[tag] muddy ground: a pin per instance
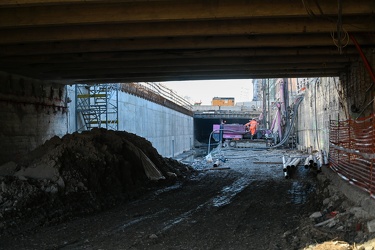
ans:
(248, 204)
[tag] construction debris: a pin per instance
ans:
(79, 174)
(339, 219)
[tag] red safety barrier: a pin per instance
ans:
(352, 151)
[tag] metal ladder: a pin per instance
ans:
(96, 106)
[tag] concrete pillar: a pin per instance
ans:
(31, 112)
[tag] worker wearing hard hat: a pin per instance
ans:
(252, 125)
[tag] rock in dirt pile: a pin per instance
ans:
(80, 174)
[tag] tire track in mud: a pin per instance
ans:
(229, 192)
(223, 198)
(161, 223)
(139, 220)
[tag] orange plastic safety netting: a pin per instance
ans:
(352, 151)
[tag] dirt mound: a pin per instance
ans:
(80, 174)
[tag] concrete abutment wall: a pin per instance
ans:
(349, 96)
(31, 112)
(331, 98)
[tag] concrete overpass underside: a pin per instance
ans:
(129, 41)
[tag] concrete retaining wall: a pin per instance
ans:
(322, 102)
(337, 99)
(169, 131)
(326, 98)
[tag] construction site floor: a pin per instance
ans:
(244, 203)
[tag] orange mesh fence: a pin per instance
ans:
(352, 151)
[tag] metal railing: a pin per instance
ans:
(352, 151)
(168, 94)
(158, 93)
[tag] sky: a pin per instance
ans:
(204, 91)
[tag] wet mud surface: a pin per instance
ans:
(248, 206)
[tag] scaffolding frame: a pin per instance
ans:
(96, 106)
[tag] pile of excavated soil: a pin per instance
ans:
(80, 174)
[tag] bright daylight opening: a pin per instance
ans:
(202, 92)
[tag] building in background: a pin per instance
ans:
(222, 101)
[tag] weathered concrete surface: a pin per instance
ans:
(31, 112)
(169, 131)
(329, 98)
(321, 103)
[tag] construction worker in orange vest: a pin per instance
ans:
(252, 125)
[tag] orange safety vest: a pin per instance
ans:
(253, 126)
(253, 123)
